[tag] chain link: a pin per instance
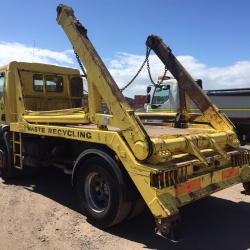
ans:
(150, 76)
(81, 66)
(139, 71)
(149, 72)
(146, 60)
(164, 75)
(80, 63)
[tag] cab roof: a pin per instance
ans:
(39, 67)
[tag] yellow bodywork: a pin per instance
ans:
(156, 162)
(162, 202)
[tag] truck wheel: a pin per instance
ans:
(138, 207)
(6, 170)
(100, 193)
(246, 186)
(3, 166)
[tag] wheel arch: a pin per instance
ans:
(95, 152)
(129, 190)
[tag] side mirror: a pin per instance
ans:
(148, 89)
(199, 82)
(148, 98)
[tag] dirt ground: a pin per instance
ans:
(41, 213)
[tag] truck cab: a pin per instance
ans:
(37, 87)
(234, 103)
(163, 97)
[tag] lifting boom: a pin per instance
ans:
(101, 85)
(188, 84)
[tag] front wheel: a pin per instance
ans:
(7, 170)
(100, 193)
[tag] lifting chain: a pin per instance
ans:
(139, 71)
(81, 66)
(80, 63)
(150, 76)
(149, 72)
(146, 60)
(164, 75)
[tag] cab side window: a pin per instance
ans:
(38, 82)
(2, 78)
(54, 83)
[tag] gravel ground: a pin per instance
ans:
(40, 212)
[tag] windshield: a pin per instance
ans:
(161, 94)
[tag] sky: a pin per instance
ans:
(211, 38)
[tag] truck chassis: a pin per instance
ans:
(118, 164)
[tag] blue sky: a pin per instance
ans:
(214, 33)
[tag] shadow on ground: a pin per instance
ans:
(211, 223)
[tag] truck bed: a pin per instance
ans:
(158, 131)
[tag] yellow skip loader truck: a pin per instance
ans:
(119, 160)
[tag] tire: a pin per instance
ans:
(246, 186)
(6, 171)
(3, 167)
(138, 207)
(100, 193)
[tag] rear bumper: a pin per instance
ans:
(208, 184)
(192, 190)
(201, 186)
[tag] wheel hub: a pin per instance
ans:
(97, 192)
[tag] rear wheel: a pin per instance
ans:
(100, 193)
(137, 208)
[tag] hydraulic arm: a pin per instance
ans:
(188, 84)
(101, 86)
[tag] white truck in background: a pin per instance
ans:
(235, 103)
